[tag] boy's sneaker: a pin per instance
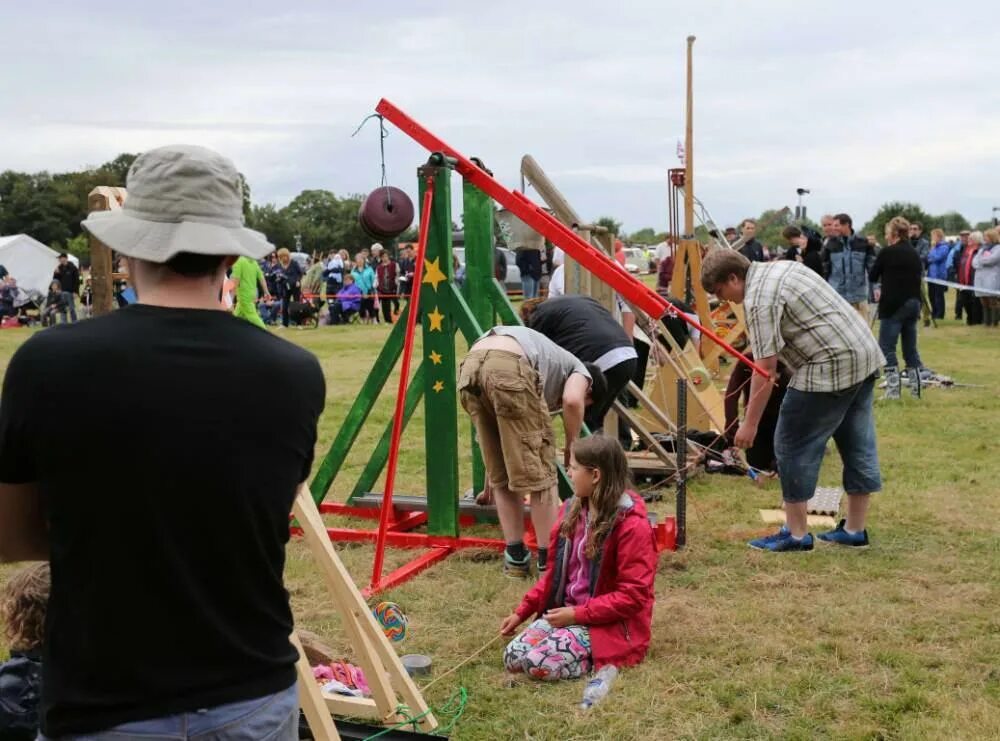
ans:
(892, 383)
(516, 569)
(761, 543)
(782, 541)
(840, 536)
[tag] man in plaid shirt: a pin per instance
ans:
(794, 316)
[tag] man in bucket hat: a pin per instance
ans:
(166, 521)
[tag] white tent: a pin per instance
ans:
(28, 260)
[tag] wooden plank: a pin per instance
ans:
(375, 654)
(362, 407)
(777, 517)
(311, 698)
(101, 284)
(440, 396)
(380, 456)
(355, 707)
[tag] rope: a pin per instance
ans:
(383, 133)
(465, 661)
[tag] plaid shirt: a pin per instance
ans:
(793, 313)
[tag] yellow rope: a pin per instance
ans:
(464, 661)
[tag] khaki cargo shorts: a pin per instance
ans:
(503, 395)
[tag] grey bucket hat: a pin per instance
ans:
(181, 198)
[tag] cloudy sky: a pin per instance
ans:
(862, 102)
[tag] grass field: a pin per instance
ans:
(899, 641)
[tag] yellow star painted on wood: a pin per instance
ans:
(432, 273)
(438, 387)
(436, 317)
(435, 358)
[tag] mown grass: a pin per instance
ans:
(900, 641)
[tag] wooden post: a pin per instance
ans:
(101, 286)
(440, 396)
(479, 276)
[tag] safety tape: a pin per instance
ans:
(961, 287)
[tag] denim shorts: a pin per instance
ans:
(270, 718)
(808, 419)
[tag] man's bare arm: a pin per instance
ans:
(574, 401)
(23, 531)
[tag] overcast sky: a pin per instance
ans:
(862, 102)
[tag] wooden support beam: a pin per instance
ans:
(384, 671)
(437, 310)
(362, 407)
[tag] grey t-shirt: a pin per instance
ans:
(554, 365)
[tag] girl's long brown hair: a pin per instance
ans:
(22, 607)
(606, 455)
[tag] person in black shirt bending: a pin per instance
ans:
(168, 615)
(899, 269)
(580, 325)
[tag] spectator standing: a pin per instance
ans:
(387, 275)
(364, 279)
(288, 279)
(806, 247)
(966, 275)
(247, 277)
(920, 242)
(68, 276)
(794, 316)
(333, 274)
(529, 262)
(956, 251)
(221, 665)
(407, 269)
(937, 268)
(752, 250)
(849, 259)
(899, 269)
(987, 277)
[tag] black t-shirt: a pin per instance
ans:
(899, 269)
(168, 505)
(579, 325)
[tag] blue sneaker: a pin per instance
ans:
(782, 541)
(840, 536)
(761, 543)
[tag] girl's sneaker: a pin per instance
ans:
(840, 536)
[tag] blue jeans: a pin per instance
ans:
(902, 323)
(530, 286)
(71, 302)
(808, 419)
(271, 718)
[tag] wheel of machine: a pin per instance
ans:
(386, 213)
(700, 377)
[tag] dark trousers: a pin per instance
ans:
(293, 295)
(617, 377)
(71, 304)
(639, 379)
(339, 315)
(973, 307)
(936, 295)
(368, 308)
(389, 307)
(902, 324)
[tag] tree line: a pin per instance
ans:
(50, 207)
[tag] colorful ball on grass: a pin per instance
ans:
(390, 616)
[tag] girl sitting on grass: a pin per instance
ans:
(22, 610)
(594, 605)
